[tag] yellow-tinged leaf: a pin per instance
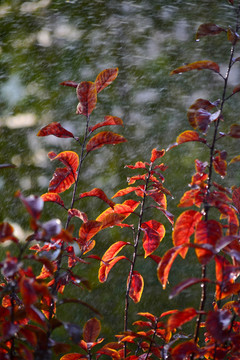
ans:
(136, 287)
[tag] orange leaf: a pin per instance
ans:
(153, 234)
(235, 159)
(89, 229)
(220, 165)
(62, 180)
(104, 138)
(207, 232)
(156, 154)
(125, 191)
(69, 158)
(109, 120)
(87, 96)
(208, 29)
(189, 135)
(198, 65)
(77, 213)
(138, 165)
(91, 330)
(53, 197)
(113, 250)
(166, 263)
(98, 193)
(74, 356)
(180, 318)
(105, 268)
(184, 228)
(136, 287)
(55, 129)
(105, 78)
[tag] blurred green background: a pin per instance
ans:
(43, 43)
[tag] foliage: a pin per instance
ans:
(30, 299)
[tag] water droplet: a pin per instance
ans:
(197, 40)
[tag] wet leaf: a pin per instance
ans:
(105, 78)
(207, 232)
(189, 135)
(136, 287)
(113, 250)
(74, 356)
(149, 316)
(105, 268)
(104, 138)
(236, 89)
(154, 232)
(108, 120)
(62, 180)
(69, 83)
(87, 96)
(156, 154)
(208, 29)
(198, 65)
(181, 317)
(184, 228)
(52, 197)
(69, 158)
(235, 130)
(98, 193)
(55, 129)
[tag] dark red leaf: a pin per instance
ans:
(6, 232)
(181, 317)
(53, 197)
(98, 193)
(198, 104)
(108, 120)
(69, 83)
(69, 158)
(104, 138)
(220, 165)
(154, 232)
(218, 324)
(185, 284)
(236, 198)
(198, 65)
(235, 130)
(4, 166)
(136, 287)
(184, 228)
(202, 120)
(87, 96)
(184, 350)
(55, 129)
(105, 78)
(208, 29)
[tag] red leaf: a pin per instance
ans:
(198, 104)
(6, 232)
(220, 165)
(104, 138)
(69, 158)
(202, 120)
(74, 356)
(113, 250)
(208, 29)
(33, 204)
(87, 96)
(198, 65)
(166, 263)
(200, 166)
(156, 154)
(218, 324)
(91, 330)
(138, 165)
(235, 130)
(184, 228)
(36, 315)
(27, 291)
(236, 198)
(159, 197)
(236, 89)
(80, 214)
(109, 120)
(69, 83)
(184, 350)
(136, 287)
(55, 129)
(53, 197)
(189, 135)
(89, 229)
(148, 316)
(185, 284)
(180, 318)
(105, 78)
(98, 193)
(62, 180)
(125, 191)
(192, 197)
(154, 232)
(105, 268)
(207, 232)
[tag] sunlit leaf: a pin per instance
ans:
(184, 350)
(138, 165)
(104, 138)
(91, 330)
(113, 250)
(186, 284)
(156, 154)
(198, 65)
(181, 317)
(87, 96)
(77, 213)
(98, 193)
(74, 356)
(189, 135)
(184, 228)
(220, 165)
(192, 197)
(69, 83)
(207, 232)
(218, 324)
(148, 316)
(208, 29)
(6, 232)
(165, 264)
(55, 129)
(235, 130)
(159, 197)
(125, 191)
(198, 104)
(108, 120)
(62, 180)
(136, 287)
(105, 78)
(89, 229)
(105, 268)
(236, 198)
(52, 197)
(154, 232)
